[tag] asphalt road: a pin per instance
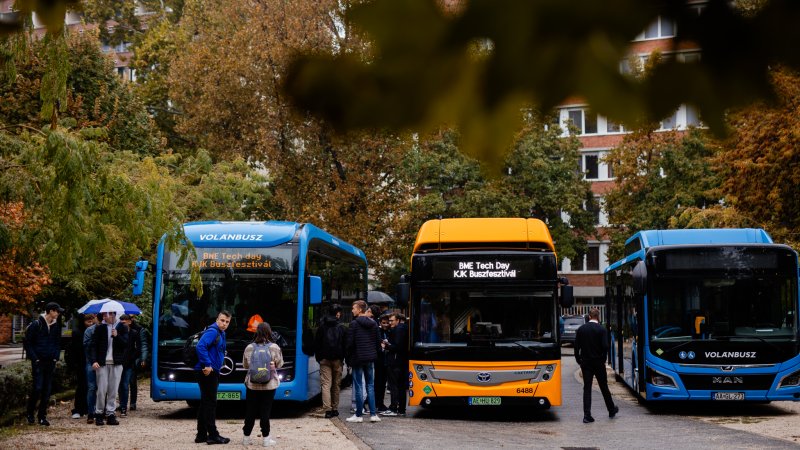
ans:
(636, 426)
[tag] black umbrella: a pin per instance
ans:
(378, 298)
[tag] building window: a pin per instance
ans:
(692, 117)
(591, 166)
(594, 209)
(590, 262)
(584, 120)
(613, 127)
(670, 122)
(662, 27)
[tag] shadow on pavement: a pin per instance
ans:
(236, 410)
(485, 414)
(716, 409)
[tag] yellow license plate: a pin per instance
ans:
(229, 395)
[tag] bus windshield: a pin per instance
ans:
(723, 307)
(246, 282)
(488, 317)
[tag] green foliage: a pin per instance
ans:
(54, 81)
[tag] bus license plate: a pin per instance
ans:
(728, 395)
(229, 395)
(481, 401)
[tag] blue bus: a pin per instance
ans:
(284, 273)
(705, 315)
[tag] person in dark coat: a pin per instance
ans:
(76, 363)
(362, 347)
(107, 355)
(127, 383)
(43, 349)
(397, 360)
(382, 364)
(330, 349)
(591, 348)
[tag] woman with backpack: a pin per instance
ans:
(261, 358)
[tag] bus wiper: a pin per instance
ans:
(680, 345)
(535, 352)
(728, 338)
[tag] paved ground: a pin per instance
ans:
(10, 354)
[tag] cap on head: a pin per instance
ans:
(53, 306)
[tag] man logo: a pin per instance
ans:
(227, 366)
(484, 377)
(727, 380)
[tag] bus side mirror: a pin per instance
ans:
(639, 274)
(138, 279)
(314, 290)
(567, 296)
(402, 294)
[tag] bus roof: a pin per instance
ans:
(637, 245)
(472, 233)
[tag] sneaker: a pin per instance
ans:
(335, 413)
(76, 416)
(328, 414)
(99, 421)
(43, 422)
(389, 413)
(374, 418)
(30, 418)
(613, 412)
(354, 419)
(246, 440)
(268, 441)
(112, 420)
(123, 412)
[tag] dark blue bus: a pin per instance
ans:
(284, 273)
(705, 315)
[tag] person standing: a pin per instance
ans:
(43, 348)
(363, 346)
(76, 362)
(260, 395)
(107, 354)
(381, 365)
(141, 363)
(210, 356)
(132, 354)
(330, 347)
(591, 348)
(91, 375)
(397, 355)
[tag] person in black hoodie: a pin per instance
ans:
(330, 346)
(43, 348)
(107, 354)
(397, 358)
(362, 348)
(76, 363)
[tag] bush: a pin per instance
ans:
(15, 384)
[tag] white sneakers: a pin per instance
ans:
(76, 416)
(246, 440)
(268, 441)
(356, 419)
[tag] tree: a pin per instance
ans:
(22, 277)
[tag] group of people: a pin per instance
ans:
(375, 348)
(104, 355)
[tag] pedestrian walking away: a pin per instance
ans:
(107, 354)
(362, 349)
(210, 355)
(261, 358)
(591, 349)
(330, 350)
(43, 348)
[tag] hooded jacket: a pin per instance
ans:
(99, 347)
(362, 341)
(43, 342)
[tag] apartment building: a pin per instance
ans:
(598, 135)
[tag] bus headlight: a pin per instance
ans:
(425, 373)
(791, 380)
(657, 378)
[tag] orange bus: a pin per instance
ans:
(483, 298)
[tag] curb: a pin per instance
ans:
(361, 445)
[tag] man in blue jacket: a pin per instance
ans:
(43, 347)
(210, 355)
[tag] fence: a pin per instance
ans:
(582, 310)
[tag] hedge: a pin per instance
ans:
(15, 384)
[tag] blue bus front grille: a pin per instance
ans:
(728, 382)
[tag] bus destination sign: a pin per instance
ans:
(233, 260)
(483, 269)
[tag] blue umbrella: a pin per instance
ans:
(107, 304)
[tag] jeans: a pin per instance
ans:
(107, 385)
(124, 385)
(364, 372)
(207, 412)
(91, 388)
(330, 374)
(259, 403)
(42, 374)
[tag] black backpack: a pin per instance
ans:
(333, 342)
(190, 348)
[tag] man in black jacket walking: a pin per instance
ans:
(330, 347)
(43, 348)
(591, 348)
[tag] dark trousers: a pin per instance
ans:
(42, 374)
(259, 403)
(381, 373)
(127, 385)
(595, 369)
(81, 392)
(398, 387)
(207, 412)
